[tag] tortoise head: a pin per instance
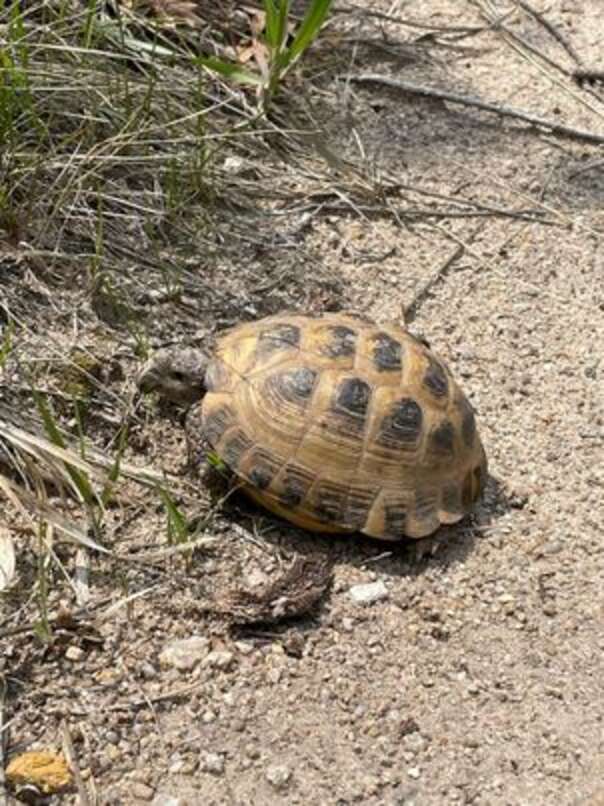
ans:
(177, 374)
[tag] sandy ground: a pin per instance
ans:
(478, 678)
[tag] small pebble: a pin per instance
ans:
(413, 772)
(553, 547)
(112, 751)
(185, 653)
(141, 791)
(74, 653)
(148, 671)
(278, 775)
(212, 763)
(368, 593)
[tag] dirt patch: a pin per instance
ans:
(477, 677)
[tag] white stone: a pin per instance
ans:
(369, 593)
(213, 763)
(185, 653)
(278, 775)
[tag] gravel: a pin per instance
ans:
(475, 675)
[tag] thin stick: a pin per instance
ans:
(423, 26)
(465, 100)
(69, 751)
(149, 701)
(551, 29)
(425, 291)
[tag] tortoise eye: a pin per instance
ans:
(179, 376)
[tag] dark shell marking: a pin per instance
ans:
(402, 426)
(442, 438)
(352, 398)
(395, 516)
(279, 336)
(387, 353)
(296, 482)
(293, 386)
(328, 499)
(342, 342)
(424, 505)
(216, 423)
(263, 469)
(235, 447)
(435, 379)
(359, 503)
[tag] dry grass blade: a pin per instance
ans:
(7, 559)
(70, 755)
(38, 508)
(56, 457)
(125, 602)
(543, 63)
(47, 453)
(81, 577)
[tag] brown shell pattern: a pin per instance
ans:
(340, 425)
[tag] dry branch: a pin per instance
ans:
(465, 100)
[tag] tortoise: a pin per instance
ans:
(332, 422)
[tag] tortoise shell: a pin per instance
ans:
(340, 426)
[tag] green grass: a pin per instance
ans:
(113, 134)
(285, 42)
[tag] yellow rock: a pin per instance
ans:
(44, 769)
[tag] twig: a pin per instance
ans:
(378, 558)
(424, 292)
(423, 26)
(538, 15)
(464, 100)
(70, 754)
(151, 701)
